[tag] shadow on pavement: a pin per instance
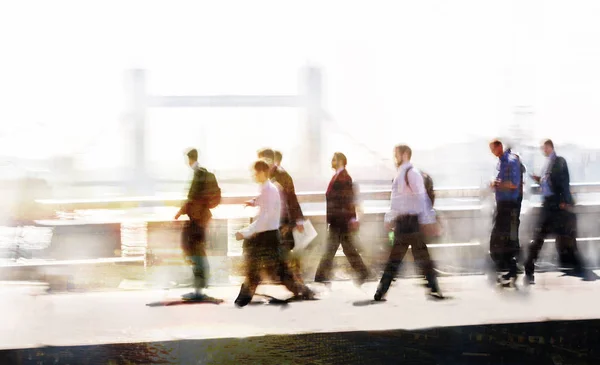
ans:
(545, 343)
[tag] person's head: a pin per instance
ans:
(496, 148)
(267, 155)
(277, 157)
(547, 147)
(338, 161)
(402, 154)
(192, 156)
(260, 171)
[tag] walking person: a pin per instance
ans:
(262, 242)
(342, 223)
(556, 216)
(412, 219)
(204, 194)
(508, 187)
(291, 212)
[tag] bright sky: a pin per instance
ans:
(422, 72)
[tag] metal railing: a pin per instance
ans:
(303, 197)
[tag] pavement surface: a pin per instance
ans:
(33, 318)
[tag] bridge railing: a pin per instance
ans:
(156, 239)
(303, 197)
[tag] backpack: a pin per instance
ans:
(427, 181)
(523, 171)
(211, 186)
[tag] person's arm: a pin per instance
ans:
(563, 182)
(352, 202)
(346, 199)
(258, 220)
(392, 214)
(194, 191)
(293, 206)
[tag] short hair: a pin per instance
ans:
(278, 156)
(549, 143)
(192, 154)
(341, 157)
(261, 166)
(402, 149)
(495, 142)
(266, 153)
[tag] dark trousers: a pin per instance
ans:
(406, 234)
(504, 240)
(262, 253)
(337, 236)
(563, 224)
(193, 242)
(290, 257)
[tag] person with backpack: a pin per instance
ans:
(412, 218)
(204, 194)
(508, 187)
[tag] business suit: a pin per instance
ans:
(341, 211)
(193, 239)
(553, 218)
(291, 214)
(261, 248)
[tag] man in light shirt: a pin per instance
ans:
(412, 217)
(291, 212)
(262, 242)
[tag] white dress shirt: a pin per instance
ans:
(269, 203)
(410, 200)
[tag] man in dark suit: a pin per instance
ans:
(556, 216)
(278, 158)
(341, 218)
(204, 194)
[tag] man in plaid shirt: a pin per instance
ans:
(504, 240)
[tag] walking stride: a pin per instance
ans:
(412, 219)
(261, 248)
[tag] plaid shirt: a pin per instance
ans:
(509, 170)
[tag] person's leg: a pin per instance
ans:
(497, 242)
(543, 228)
(323, 274)
(513, 245)
(423, 260)
(289, 256)
(354, 258)
(401, 243)
(252, 262)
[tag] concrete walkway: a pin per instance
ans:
(32, 318)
